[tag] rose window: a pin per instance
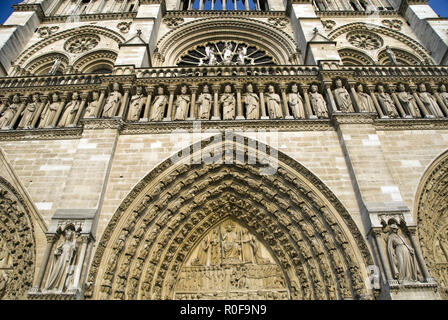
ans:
(365, 41)
(225, 53)
(81, 44)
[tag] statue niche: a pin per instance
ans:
(230, 263)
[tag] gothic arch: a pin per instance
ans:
(66, 34)
(352, 57)
(93, 61)
(178, 41)
(17, 244)
(431, 207)
(372, 28)
(311, 235)
(42, 64)
(403, 58)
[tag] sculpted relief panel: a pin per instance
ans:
(230, 263)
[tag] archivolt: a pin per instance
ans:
(95, 60)
(189, 35)
(16, 229)
(27, 54)
(308, 231)
(351, 57)
(432, 212)
(359, 26)
(43, 63)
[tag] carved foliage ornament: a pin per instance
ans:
(16, 245)
(393, 24)
(279, 22)
(364, 40)
(173, 22)
(80, 44)
(329, 24)
(45, 32)
(124, 26)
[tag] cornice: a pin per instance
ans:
(41, 134)
(411, 124)
(362, 14)
(93, 17)
(224, 14)
(24, 7)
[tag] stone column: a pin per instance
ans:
(169, 115)
(421, 105)
(376, 103)
(201, 4)
(418, 253)
(100, 103)
(308, 109)
(42, 105)
(64, 98)
(354, 96)
(23, 101)
(124, 103)
(146, 113)
(84, 96)
(48, 249)
(398, 104)
(216, 115)
(193, 107)
(239, 103)
(283, 88)
(441, 103)
(246, 5)
(85, 241)
(264, 115)
(330, 98)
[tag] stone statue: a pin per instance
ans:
(443, 94)
(71, 109)
(318, 102)
(365, 101)
(10, 112)
(210, 55)
(158, 106)
(242, 56)
(231, 249)
(215, 249)
(55, 67)
(429, 101)
(136, 105)
(296, 103)
(342, 97)
(202, 255)
(227, 54)
(62, 265)
(93, 106)
(28, 113)
(182, 105)
(205, 101)
(247, 244)
(386, 102)
(228, 102)
(402, 256)
(408, 102)
(252, 102)
(392, 56)
(113, 102)
(46, 118)
(273, 103)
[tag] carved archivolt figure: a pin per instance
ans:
(136, 105)
(407, 101)
(205, 104)
(318, 102)
(365, 101)
(273, 103)
(3, 283)
(402, 256)
(158, 106)
(28, 113)
(386, 102)
(342, 97)
(63, 263)
(252, 102)
(296, 103)
(429, 101)
(10, 112)
(93, 106)
(182, 105)
(228, 102)
(71, 109)
(113, 102)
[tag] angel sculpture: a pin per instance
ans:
(55, 67)
(227, 54)
(210, 56)
(242, 55)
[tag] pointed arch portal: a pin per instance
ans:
(282, 234)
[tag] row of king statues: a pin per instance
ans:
(225, 102)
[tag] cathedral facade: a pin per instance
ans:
(203, 149)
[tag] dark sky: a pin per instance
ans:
(440, 6)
